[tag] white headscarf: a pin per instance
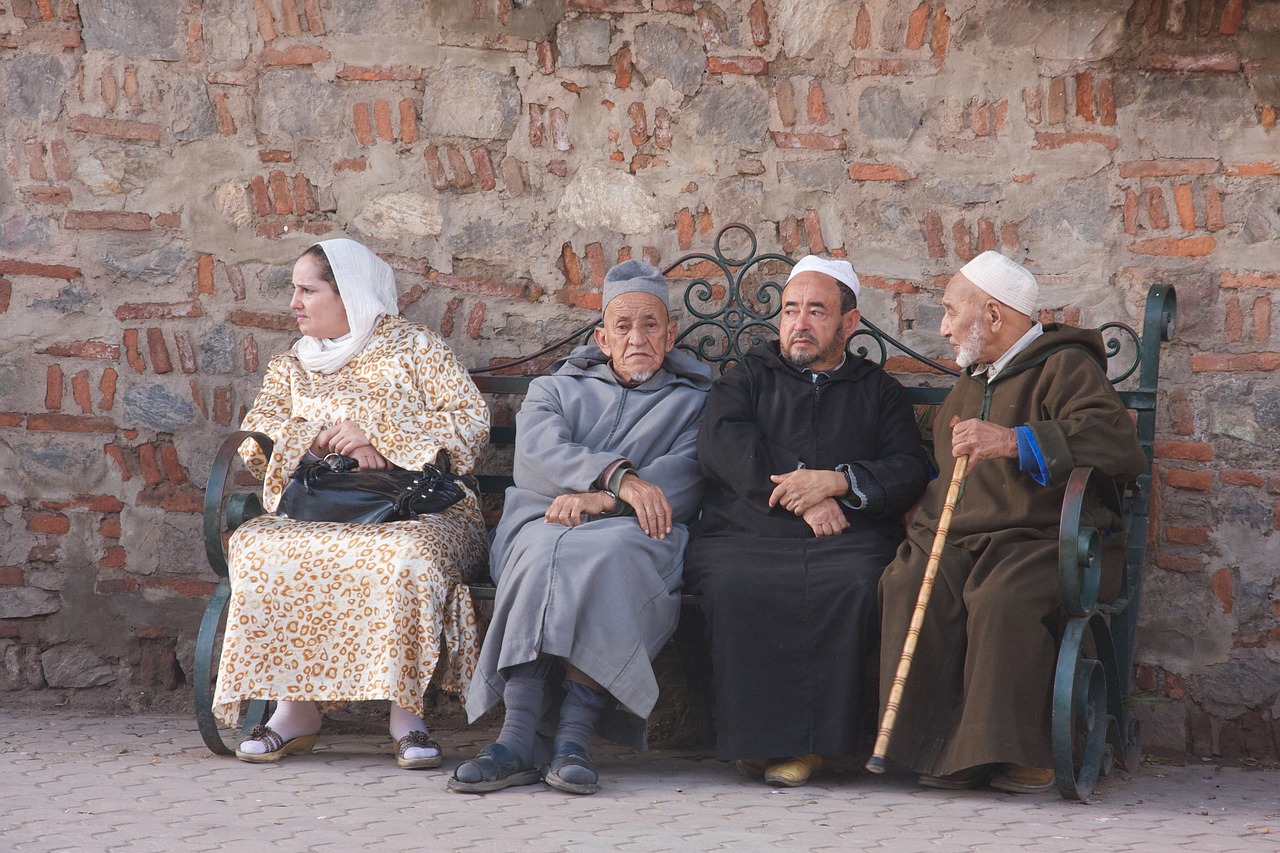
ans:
(368, 291)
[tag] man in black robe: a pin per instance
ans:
(811, 457)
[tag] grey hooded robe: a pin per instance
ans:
(603, 595)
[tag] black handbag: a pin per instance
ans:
(331, 489)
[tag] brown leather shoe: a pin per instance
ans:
(961, 780)
(1017, 779)
(794, 772)
(752, 768)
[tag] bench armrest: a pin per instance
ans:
(1079, 550)
(222, 517)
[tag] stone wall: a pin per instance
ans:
(164, 163)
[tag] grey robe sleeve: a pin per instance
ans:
(547, 460)
(676, 472)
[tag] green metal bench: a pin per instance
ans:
(730, 304)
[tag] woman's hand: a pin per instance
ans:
(344, 438)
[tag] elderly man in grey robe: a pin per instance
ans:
(588, 555)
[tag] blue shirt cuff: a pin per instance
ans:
(1030, 459)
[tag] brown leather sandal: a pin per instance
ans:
(277, 747)
(420, 740)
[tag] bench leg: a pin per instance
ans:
(1086, 702)
(695, 660)
(208, 647)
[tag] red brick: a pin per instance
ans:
(364, 126)
(475, 320)
(158, 310)
(11, 576)
(408, 121)
(54, 523)
(159, 351)
(149, 465)
(303, 200)
(1130, 213)
(963, 240)
(894, 285)
(173, 470)
(1223, 363)
(595, 262)
(941, 33)
(107, 389)
(789, 234)
(250, 354)
(680, 7)
(510, 288)
(622, 69)
(1228, 62)
(315, 23)
(1262, 319)
(1049, 141)
(15, 267)
(1251, 170)
(458, 165)
(226, 122)
(1057, 103)
(298, 54)
(758, 19)
(817, 104)
(261, 197)
(351, 164)
(785, 97)
(1106, 102)
(222, 405)
(46, 195)
(639, 124)
(1185, 247)
(819, 141)
(204, 274)
(1221, 585)
(1084, 96)
(379, 72)
(11, 419)
(813, 233)
(132, 354)
(933, 230)
(484, 167)
(282, 200)
(256, 320)
(536, 126)
(80, 391)
(117, 456)
(1157, 211)
(862, 29)
(53, 388)
(1234, 477)
(559, 123)
(879, 172)
(61, 161)
(1187, 535)
(6, 293)
(266, 23)
(1260, 279)
(684, 228)
(546, 57)
(435, 169)
(1196, 451)
(116, 128)
(1267, 117)
(113, 557)
(1213, 210)
(1232, 14)
(604, 6)
(662, 128)
(1175, 563)
(917, 22)
(750, 65)
(1199, 481)
(559, 168)
(571, 268)
(1185, 206)
(1168, 168)
(118, 220)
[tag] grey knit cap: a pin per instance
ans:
(634, 277)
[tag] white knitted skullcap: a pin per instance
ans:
(841, 271)
(1005, 281)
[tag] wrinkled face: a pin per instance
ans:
(964, 323)
(812, 332)
(316, 302)
(636, 335)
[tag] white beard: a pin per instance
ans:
(642, 376)
(971, 345)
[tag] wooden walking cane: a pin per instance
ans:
(876, 763)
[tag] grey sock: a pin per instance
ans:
(522, 697)
(578, 715)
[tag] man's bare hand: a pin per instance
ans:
(570, 510)
(801, 490)
(979, 439)
(650, 503)
(826, 518)
(342, 438)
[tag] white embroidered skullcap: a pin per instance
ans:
(1005, 281)
(841, 271)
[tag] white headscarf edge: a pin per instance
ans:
(368, 290)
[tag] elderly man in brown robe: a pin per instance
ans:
(1033, 403)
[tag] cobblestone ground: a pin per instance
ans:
(147, 783)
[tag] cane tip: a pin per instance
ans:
(875, 764)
